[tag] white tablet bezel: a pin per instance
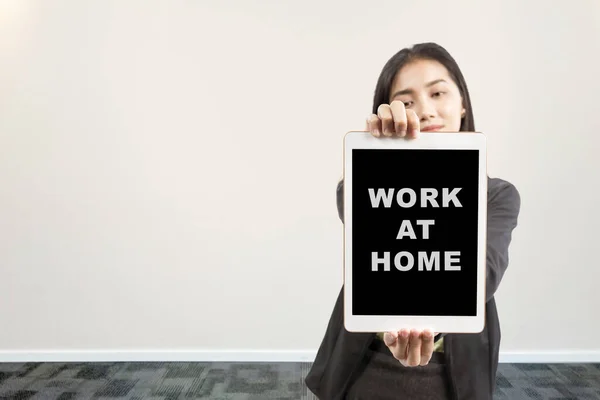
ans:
(425, 140)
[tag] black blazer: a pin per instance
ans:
(471, 359)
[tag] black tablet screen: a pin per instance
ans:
(414, 232)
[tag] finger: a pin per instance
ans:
(413, 124)
(426, 347)
(414, 349)
(374, 125)
(387, 122)
(390, 338)
(400, 350)
(399, 115)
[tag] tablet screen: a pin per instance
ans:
(414, 232)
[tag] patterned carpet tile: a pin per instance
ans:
(163, 381)
(251, 381)
(548, 381)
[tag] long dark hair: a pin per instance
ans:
(427, 51)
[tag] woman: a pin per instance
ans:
(421, 89)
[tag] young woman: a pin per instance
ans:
(421, 89)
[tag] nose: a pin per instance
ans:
(425, 110)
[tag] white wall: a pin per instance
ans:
(168, 169)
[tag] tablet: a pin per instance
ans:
(415, 232)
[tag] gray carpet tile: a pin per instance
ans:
(251, 381)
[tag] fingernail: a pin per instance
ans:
(404, 333)
(376, 132)
(402, 133)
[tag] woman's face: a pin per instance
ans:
(426, 87)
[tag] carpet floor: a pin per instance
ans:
(251, 381)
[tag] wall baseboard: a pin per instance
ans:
(550, 357)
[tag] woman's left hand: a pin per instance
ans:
(412, 348)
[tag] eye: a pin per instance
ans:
(407, 104)
(438, 94)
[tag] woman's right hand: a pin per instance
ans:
(412, 348)
(394, 120)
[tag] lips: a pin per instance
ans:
(432, 128)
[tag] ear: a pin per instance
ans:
(463, 113)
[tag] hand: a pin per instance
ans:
(394, 120)
(412, 348)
